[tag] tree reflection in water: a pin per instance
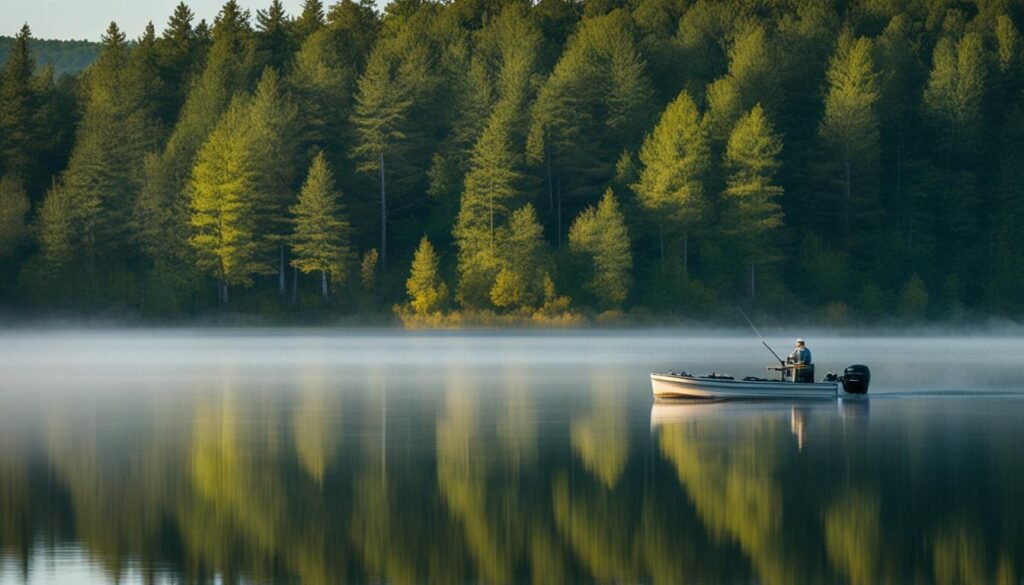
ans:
(494, 475)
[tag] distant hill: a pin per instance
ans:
(66, 56)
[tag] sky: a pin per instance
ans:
(87, 19)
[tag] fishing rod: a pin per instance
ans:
(763, 342)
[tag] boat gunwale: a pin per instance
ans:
(692, 387)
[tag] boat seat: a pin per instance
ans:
(804, 375)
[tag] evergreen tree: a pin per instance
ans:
(601, 233)
(593, 106)
(310, 21)
(490, 187)
(954, 99)
(753, 215)
(224, 216)
(321, 236)
(380, 119)
(955, 93)
(752, 78)
(675, 158)
(273, 120)
(178, 59)
(523, 257)
(162, 211)
(850, 129)
(273, 37)
(427, 292)
(14, 208)
(17, 102)
(323, 82)
(101, 181)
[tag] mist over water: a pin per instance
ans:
(318, 456)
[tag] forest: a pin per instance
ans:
(66, 57)
(506, 161)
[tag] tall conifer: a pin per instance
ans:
(675, 158)
(321, 234)
(752, 213)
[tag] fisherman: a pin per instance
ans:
(800, 355)
(801, 358)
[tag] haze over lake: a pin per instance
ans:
(317, 456)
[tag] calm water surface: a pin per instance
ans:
(321, 457)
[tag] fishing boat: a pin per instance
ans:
(796, 381)
(681, 385)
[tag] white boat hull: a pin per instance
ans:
(674, 386)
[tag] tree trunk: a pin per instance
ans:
(559, 181)
(551, 190)
(846, 213)
(282, 286)
(383, 217)
(295, 285)
(323, 283)
(686, 255)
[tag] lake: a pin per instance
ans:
(315, 456)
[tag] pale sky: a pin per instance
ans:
(87, 19)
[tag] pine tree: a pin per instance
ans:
(753, 78)
(955, 93)
(850, 130)
(427, 292)
(601, 233)
(753, 215)
(178, 59)
(954, 100)
(323, 82)
(321, 236)
(310, 21)
(161, 215)
(380, 119)
(273, 120)
(523, 257)
(675, 158)
(102, 178)
(593, 106)
(223, 215)
(273, 37)
(14, 207)
(17, 102)
(490, 187)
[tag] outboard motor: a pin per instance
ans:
(856, 379)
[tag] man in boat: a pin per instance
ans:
(800, 360)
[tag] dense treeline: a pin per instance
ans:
(856, 159)
(68, 57)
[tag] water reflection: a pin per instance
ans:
(500, 475)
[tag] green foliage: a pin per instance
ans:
(675, 159)
(850, 128)
(752, 79)
(65, 57)
(224, 216)
(14, 208)
(596, 102)
(913, 298)
(601, 234)
(523, 259)
(427, 292)
(321, 237)
(752, 213)
(97, 189)
(900, 125)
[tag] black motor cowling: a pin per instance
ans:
(856, 379)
